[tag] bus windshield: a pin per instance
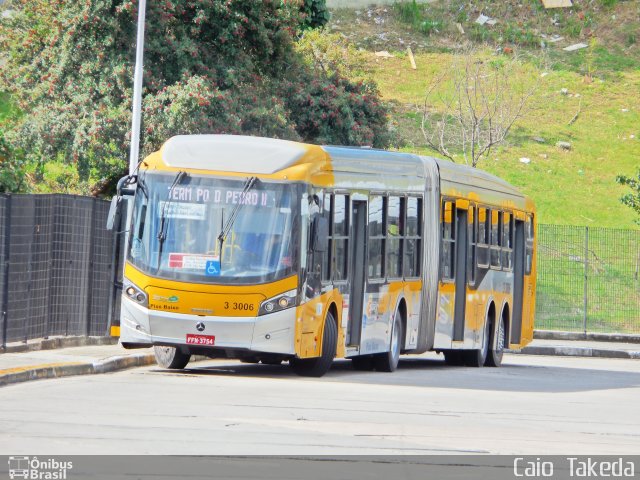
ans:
(178, 220)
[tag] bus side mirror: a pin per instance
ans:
(320, 234)
(113, 211)
(124, 191)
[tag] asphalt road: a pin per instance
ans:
(532, 405)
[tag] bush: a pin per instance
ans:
(12, 168)
(210, 67)
(632, 199)
(315, 14)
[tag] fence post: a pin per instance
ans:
(5, 273)
(586, 275)
(91, 265)
(53, 212)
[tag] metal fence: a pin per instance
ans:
(57, 266)
(60, 272)
(588, 279)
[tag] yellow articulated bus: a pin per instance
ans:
(269, 250)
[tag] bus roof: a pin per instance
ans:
(460, 176)
(267, 156)
(236, 153)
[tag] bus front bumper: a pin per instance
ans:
(272, 333)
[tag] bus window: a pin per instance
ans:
(413, 232)
(507, 241)
(376, 237)
(395, 234)
(484, 222)
(496, 220)
(340, 237)
(448, 241)
(529, 248)
(471, 262)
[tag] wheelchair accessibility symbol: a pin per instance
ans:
(212, 268)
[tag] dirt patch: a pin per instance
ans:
(449, 25)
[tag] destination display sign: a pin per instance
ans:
(223, 196)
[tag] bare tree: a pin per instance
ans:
(470, 108)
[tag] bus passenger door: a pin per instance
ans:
(358, 265)
(518, 283)
(460, 273)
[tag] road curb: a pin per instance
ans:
(111, 364)
(563, 351)
(57, 343)
(579, 336)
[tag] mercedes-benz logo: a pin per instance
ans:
(200, 327)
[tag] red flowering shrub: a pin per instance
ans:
(210, 67)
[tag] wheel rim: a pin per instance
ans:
(395, 339)
(485, 342)
(500, 342)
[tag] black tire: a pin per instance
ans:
(496, 350)
(388, 361)
(171, 357)
(477, 358)
(317, 367)
(250, 360)
(363, 363)
(271, 361)
(454, 358)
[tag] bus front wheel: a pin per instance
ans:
(171, 357)
(317, 367)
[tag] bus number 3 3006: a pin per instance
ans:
(238, 306)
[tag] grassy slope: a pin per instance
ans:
(575, 187)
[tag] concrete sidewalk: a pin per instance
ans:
(22, 366)
(582, 348)
(63, 362)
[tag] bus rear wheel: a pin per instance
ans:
(388, 362)
(317, 367)
(477, 358)
(170, 357)
(494, 359)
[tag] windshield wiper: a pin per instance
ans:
(162, 234)
(248, 185)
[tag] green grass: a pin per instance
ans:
(417, 15)
(523, 25)
(575, 187)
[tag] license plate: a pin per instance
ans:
(208, 340)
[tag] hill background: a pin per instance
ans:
(602, 82)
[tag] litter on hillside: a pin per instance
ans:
(482, 19)
(575, 46)
(552, 38)
(384, 54)
(525, 160)
(411, 59)
(557, 3)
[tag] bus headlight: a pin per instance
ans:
(134, 293)
(280, 302)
